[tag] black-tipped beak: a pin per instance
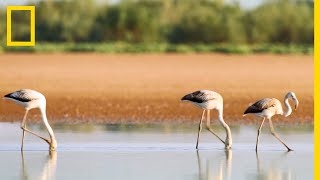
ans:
(296, 104)
(186, 97)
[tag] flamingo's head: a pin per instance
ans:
(293, 97)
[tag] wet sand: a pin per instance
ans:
(147, 88)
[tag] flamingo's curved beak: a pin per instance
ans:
(186, 97)
(296, 103)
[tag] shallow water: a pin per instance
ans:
(155, 152)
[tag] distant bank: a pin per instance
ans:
(122, 47)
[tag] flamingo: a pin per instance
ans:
(30, 99)
(208, 100)
(268, 107)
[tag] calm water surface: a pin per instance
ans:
(155, 152)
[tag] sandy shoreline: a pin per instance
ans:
(133, 88)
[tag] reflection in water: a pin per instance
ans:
(151, 153)
(222, 171)
(49, 167)
(24, 174)
(219, 167)
(274, 171)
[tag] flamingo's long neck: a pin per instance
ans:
(228, 141)
(50, 131)
(288, 107)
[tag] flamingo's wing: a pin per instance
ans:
(23, 95)
(261, 105)
(199, 96)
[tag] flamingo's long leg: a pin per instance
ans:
(273, 132)
(259, 131)
(23, 126)
(200, 128)
(209, 128)
(37, 135)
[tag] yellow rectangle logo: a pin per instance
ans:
(32, 26)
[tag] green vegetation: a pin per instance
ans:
(277, 26)
(121, 47)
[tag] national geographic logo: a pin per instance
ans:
(32, 26)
